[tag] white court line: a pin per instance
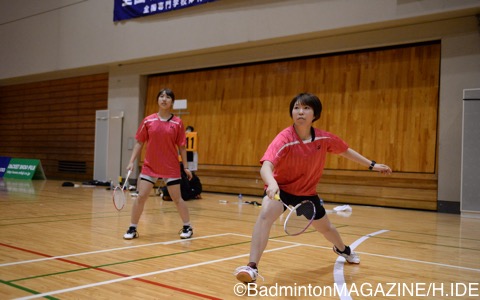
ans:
(340, 262)
(373, 254)
(109, 250)
(293, 244)
(425, 262)
(378, 255)
(145, 274)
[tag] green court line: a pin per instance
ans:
(138, 260)
(11, 282)
(108, 215)
(194, 211)
(112, 213)
(424, 243)
(26, 289)
(411, 233)
(172, 210)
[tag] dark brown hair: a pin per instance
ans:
(168, 92)
(309, 100)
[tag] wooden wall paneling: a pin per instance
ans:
(53, 121)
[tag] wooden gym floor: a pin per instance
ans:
(66, 243)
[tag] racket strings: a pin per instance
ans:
(300, 218)
(119, 198)
(306, 209)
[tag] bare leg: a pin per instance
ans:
(329, 231)
(271, 210)
(144, 189)
(182, 208)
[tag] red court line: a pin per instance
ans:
(116, 273)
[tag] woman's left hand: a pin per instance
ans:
(384, 169)
(189, 174)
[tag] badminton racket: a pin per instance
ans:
(299, 217)
(119, 199)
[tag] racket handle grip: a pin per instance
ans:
(276, 197)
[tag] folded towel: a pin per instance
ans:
(342, 208)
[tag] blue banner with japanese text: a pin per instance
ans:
(4, 161)
(128, 9)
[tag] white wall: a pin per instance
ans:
(460, 70)
(127, 92)
(74, 37)
(71, 34)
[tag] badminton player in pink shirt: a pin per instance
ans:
(165, 137)
(292, 167)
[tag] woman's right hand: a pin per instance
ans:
(272, 190)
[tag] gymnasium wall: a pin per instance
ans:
(459, 68)
(53, 121)
(60, 39)
(383, 102)
(51, 37)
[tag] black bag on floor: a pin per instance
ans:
(190, 189)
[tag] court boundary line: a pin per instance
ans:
(100, 251)
(338, 274)
(51, 293)
(292, 245)
(380, 255)
(213, 236)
